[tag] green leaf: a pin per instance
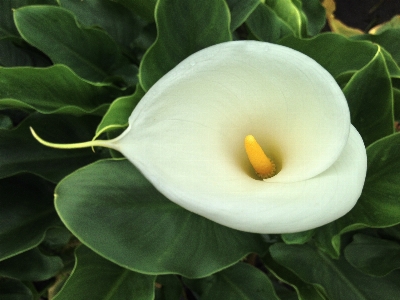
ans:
(168, 287)
(120, 23)
(240, 11)
(14, 53)
(336, 277)
(53, 90)
(11, 289)
(372, 255)
(115, 211)
(20, 152)
(7, 26)
(27, 211)
(316, 16)
(90, 53)
(184, 27)
(334, 52)
(388, 39)
(97, 278)
(298, 237)
(303, 290)
(144, 8)
(119, 111)
(266, 26)
(31, 265)
(369, 95)
(378, 206)
(241, 281)
(289, 11)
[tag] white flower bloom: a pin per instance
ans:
(187, 137)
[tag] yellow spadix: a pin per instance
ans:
(262, 164)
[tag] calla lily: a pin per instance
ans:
(187, 137)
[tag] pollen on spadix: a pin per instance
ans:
(264, 167)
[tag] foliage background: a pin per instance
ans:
(83, 225)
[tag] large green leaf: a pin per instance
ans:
(120, 23)
(11, 289)
(90, 53)
(53, 90)
(145, 8)
(336, 53)
(31, 265)
(379, 204)
(372, 255)
(290, 12)
(115, 211)
(240, 10)
(316, 16)
(26, 213)
(7, 26)
(239, 282)
(20, 152)
(369, 95)
(184, 27)
(266, 26)
(14, 53)
(97, 278)
(119, 111)
(337, 278)
(304, 291)
(388, 39)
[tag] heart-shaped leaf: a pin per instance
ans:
(115, 211)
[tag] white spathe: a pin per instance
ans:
(187, 133)
(187, 137)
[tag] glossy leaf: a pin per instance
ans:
(372, 255)
(97, 278)
(290, 12)
(266, 26)
(241, 281)
(12, 289)
(304, 291)
(119, 111)
(90, 53)
(378, 205)
(7, 26)
(27, 211)
(145, 8)
(316, 16)
(369, 94)
(31, 265)
(120, 23)
(388, 39)
(184, 27)
(12, 54)
(20, 152)
(240, 10)
(298, 237)
(53, 90)
(115, 211)
(336, 53)
(336, 277)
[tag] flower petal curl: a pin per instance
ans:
(186, 136)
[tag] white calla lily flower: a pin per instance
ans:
(187, 136)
